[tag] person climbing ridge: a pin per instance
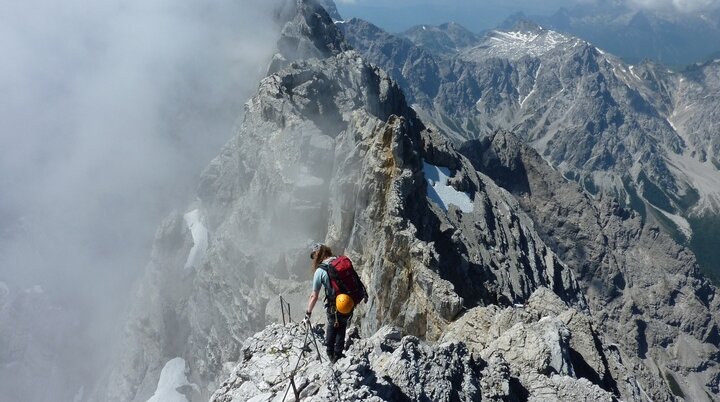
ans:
(343, 290)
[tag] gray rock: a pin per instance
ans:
(443, 39)
(640, 133)
(544, 347)
(373, 370)
(639, 33)
(647, 305)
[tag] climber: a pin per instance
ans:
(343, 289)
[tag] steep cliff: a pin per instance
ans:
(644, 290)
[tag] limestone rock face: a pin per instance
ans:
(443, 39)
(637, 132)
(308, 32)
(387, 367)
(644, 290)
(550, 348)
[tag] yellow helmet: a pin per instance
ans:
(344, 303)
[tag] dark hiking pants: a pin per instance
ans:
(335, 335)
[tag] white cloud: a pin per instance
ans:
(687, 6)
(109, 110)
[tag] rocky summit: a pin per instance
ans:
(490, 275)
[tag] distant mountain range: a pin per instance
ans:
(670, 37)
(640, 133)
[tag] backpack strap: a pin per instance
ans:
(325, 267)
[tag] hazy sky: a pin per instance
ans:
(478, 15)
(109, 111)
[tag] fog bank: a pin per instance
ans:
(109, 110)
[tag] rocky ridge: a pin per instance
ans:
(329, 149)
(516, 353)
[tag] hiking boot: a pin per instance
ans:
(331, 355)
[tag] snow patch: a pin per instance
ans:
(173, 378)
(524, 37)
(443, 194)
(537, 72)
(339, 22)
(200, 239)
(632, 71)
(309, 181)
(519, 44)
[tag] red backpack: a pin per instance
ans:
(344, 279)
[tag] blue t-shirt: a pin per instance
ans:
(320, 278)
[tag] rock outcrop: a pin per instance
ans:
(492, 353)
(644, 290)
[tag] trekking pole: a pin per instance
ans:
(314, 339)
(292, 374)
(332, 372)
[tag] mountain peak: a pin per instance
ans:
(331, 8)
(526, 25)
(526, 39)
(308, 33)
(447, 38)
